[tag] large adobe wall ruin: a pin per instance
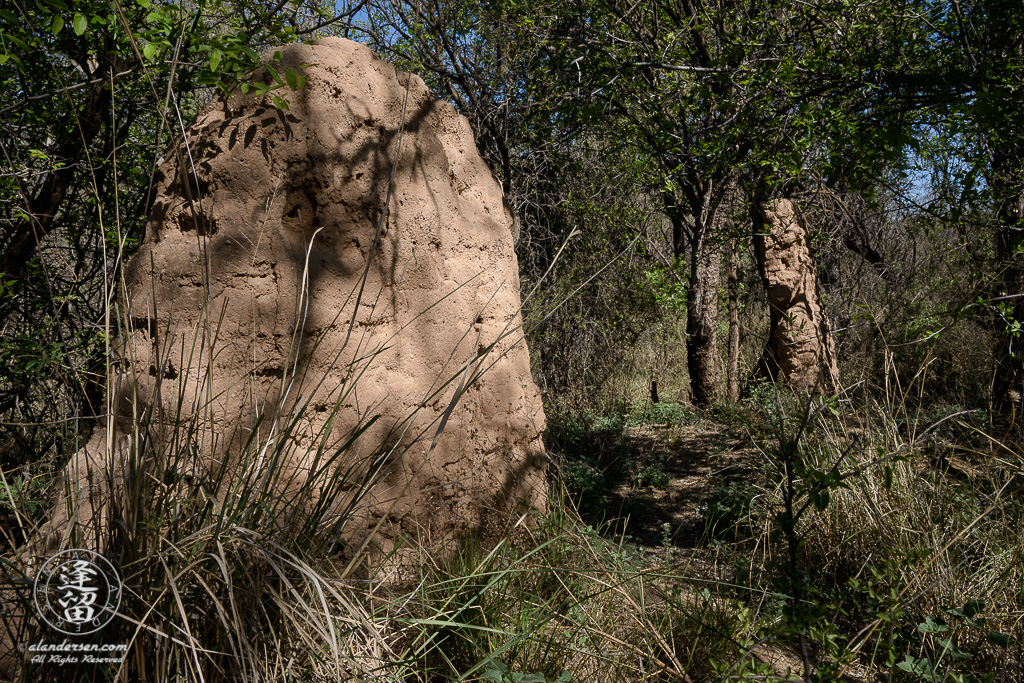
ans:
(801, 350)
(256, 259)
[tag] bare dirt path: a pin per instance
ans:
(683, 468)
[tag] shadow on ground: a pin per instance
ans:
(681, 483)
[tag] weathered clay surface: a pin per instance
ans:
(800, 349)
(256, 260)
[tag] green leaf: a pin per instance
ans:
(915, 666)
(215, 60)
(79, 23)
(932, 625)
(495, 671)
(997, 638)
(149, 51)
(974, 607)
(289, 75)
(274, 74)
(948, 646)
(58, 24)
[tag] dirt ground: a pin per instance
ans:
(697, 460)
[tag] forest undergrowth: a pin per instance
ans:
(876, 536)
(858, 537)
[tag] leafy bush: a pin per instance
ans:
(592, 457)
(672, 414)
(652, 475)
(725, 508)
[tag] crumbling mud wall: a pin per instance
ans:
(801, 349)
(342, 264)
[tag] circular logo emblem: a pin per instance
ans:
(77, 592)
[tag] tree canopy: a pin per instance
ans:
(647, 128)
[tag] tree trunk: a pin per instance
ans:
(733, 367)
(702, 319)
(708, 206)
(800, 351)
